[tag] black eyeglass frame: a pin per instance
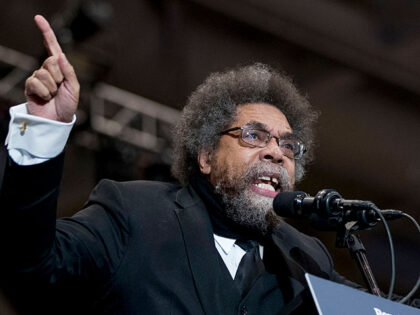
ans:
(298, 144)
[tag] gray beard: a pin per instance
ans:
(244, 206)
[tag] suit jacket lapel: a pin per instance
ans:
(286, 250)
(214, 292)
(282, 249)
(290, 275)
(300, 252)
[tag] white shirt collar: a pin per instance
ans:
(225, 243)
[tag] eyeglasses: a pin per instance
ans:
(292, 148)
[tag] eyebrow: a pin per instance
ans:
(259, 125)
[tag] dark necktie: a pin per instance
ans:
(250, 267)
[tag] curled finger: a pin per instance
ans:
(52, 66)
(47, 80)
(35, 88)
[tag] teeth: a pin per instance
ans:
(265, 186)
(272, 179)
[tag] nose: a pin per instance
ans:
(272, 152)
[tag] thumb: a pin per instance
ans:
(69, 74)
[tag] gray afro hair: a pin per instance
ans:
(211, 108)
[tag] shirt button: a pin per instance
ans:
(244, 310)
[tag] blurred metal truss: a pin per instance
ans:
(131, 118)
(15, 67)
(111, 111)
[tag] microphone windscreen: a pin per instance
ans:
(284, 203)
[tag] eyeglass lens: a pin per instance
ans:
(260, 138)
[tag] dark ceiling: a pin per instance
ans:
(358, 61)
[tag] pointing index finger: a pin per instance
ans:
(50, 41)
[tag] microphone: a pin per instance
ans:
(328, 209)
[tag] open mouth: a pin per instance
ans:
(267, 185)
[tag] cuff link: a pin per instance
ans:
(22, 128)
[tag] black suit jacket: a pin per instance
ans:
(136, 248)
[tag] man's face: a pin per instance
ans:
(247, 177)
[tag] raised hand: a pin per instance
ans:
(53, 90)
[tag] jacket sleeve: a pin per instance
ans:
(83, 249)
(28, 209)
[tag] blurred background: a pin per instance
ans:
(138, 60)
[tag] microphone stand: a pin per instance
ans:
(345, 239)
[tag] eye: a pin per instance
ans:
(288, 145)
(253, 136)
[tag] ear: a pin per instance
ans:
(204, 159)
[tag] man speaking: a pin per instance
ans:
(212, 245)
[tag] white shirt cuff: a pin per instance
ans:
(32, 139)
